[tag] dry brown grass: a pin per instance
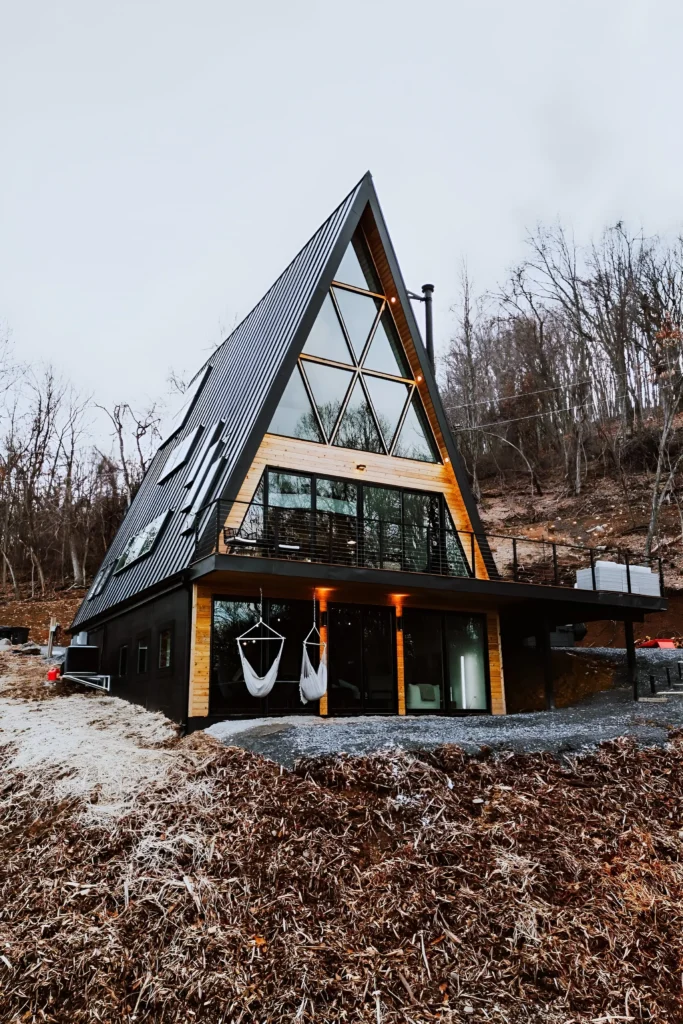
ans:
(394, 888)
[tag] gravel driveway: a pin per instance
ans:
(602, 717)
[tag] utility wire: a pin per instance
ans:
(533, 416)
(524, 394)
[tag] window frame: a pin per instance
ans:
(123, 658)
(142, 641)
(164, 517)
(166, 627)
(445, 710)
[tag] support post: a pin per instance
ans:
(400, 661)
(543, 636)
(322, 609)
(631, 657)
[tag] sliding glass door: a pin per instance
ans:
(445, 661)
(362, 672)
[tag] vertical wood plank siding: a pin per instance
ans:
(400, 664)
(495, 664)
(200, 652)
(324, 633)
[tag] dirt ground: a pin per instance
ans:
(36, 613)
(145, 878)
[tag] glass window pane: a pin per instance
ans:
(386, 353)
(423, 659)
(389, 399)
(456, 562)
(230, 620)
(356, 267)
(359, 313)
(466, 653)
(289, 490)
(294, 416)
(165, 648)
(329, 385)
(414, 441)
(382, 533)
(336, 496)
(421, 532)
(326, 339)
(358, 429)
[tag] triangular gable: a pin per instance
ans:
(250, 374)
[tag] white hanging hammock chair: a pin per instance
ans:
(260, 686)
(313, 685)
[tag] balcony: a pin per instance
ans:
(253, 530)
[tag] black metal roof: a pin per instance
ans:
(248, 375)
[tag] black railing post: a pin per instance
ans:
(514, 559)
(661, 578)
(555, 568)
(592, 554)
(631, 657)
(474, 560)
(628, 572)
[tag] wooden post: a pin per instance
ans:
(400, 662)
(322, 608)
(200, 653)
(631, 657)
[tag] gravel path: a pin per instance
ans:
(602, 717)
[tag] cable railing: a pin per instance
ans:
(253, 530)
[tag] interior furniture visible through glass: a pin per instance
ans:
(445, 661)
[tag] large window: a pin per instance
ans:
(445, 661)
(231, 618)
(353, 386)
(323, 519)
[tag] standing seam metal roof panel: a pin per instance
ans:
(244, 371)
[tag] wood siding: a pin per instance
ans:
(308, 457)
(495, 664)
(200, 652)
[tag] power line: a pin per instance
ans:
(533, 416)
(525, 394)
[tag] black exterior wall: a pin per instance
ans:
(156, 689)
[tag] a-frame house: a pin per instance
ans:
(311, 472)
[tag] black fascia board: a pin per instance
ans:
(604, 601)
(428, 374)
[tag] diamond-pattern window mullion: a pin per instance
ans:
(355, 358)
(399, 428)
(330, 386)
(376, 324)
(373, 413)
(340, 417)
(358, 313)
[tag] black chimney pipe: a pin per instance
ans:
(428, 291)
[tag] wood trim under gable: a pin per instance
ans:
(307, 456)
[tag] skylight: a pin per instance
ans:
(180, 454)
(142, 543)
(186, 402)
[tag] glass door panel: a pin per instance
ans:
(423, 659)
(362, 676)
(466, 662)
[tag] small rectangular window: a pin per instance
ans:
(165, 644)
(142, 656)
(123, 660)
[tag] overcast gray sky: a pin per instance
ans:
(163, 161)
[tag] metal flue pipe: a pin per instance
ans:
(428, 291)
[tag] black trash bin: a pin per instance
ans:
(15, 634)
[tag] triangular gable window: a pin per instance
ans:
(294, 416)
(386, 352)
(356, 267)
(329, 385)
(389, 398)
(354, 387)
(359, 313)
(358, 428)
(326, 339)
(415, 440)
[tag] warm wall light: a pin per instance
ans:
(446, 459)
(393, 298)
(419, 378)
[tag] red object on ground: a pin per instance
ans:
(52, 673)
(668, 645)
